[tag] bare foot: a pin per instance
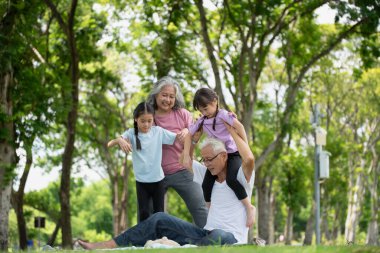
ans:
(85, 245)
(251, 213)
(97, 245)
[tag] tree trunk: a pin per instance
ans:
(53, 236)
(325, 226)
(272, 199)
(7, 152)
(210, 53)
(18, 197)
(264, 191)
(120, 199)
(355, 198)
(7, 138)
(336, 224)
(289, 227)
(373, 228)
(5, 205)
(309, 231)
(67, 157)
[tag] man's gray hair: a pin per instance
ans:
(216, 145)
(165, 81)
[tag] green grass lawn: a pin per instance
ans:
(266, 249)
(241, 249)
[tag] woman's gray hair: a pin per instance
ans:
(216, 145)
(164, 81)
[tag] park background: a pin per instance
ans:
(72, 71)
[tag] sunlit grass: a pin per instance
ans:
(252, 249)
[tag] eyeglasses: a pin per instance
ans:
(208, 160)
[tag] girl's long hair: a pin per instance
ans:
(142, 108)
(202, 98)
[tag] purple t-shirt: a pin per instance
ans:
(220, 132)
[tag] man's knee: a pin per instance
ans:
(158, 216)
(228, 238)
(218, 237)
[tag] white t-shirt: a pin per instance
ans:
(226, 211)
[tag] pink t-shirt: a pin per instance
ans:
(174, 121)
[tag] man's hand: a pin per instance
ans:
(186, 161)
(197, 136)
(229, 128)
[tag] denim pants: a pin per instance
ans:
(162, 224)
(191, 192)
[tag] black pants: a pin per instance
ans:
(233, 165)
(150, 191)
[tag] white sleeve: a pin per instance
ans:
(243, 181)
(199, 171)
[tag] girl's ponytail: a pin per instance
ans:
(138, 143)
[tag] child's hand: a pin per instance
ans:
(233, 114)
(181, 135)
(124, 145)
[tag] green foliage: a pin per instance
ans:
(177, 207)
(92, 212)
(295, 169)
(124, 46)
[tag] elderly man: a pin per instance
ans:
(226, 221)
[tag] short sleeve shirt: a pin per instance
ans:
(220, 131)
(226, 212)
(174, 121)
(147, 161)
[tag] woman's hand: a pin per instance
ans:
(181, 135)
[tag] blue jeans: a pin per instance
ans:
(162, 224)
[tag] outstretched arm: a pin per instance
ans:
(123, 144)
(248, 160)
(112, 143)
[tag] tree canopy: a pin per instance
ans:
(71, 72)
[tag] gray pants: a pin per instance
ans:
(191, 192)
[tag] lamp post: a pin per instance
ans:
(318, 149)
